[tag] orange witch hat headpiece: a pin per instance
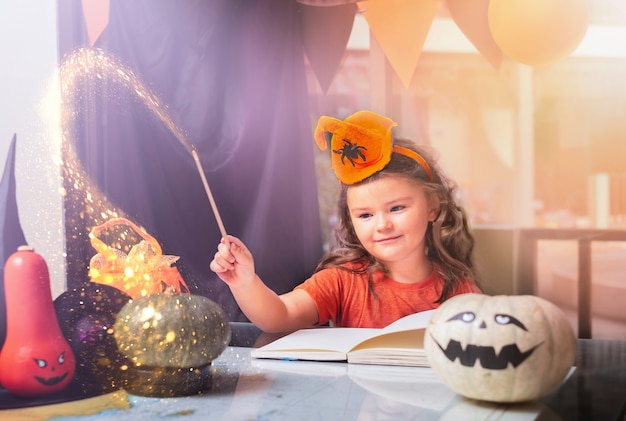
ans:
(362, 145)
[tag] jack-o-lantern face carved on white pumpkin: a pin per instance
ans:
(500, 348)
(487, 355)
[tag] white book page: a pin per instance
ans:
(335, 340)
(321, 339)
(412, 321)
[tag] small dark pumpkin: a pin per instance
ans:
(86, 317)
(171, 330)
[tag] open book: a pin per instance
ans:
(400, 343)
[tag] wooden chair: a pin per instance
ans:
(527, 263)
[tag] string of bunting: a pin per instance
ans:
(532, 32)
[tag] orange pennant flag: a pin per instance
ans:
(400, 27)
(471, 18)
(96, 14)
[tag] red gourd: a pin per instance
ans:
(35, 359)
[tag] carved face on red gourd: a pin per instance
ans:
(500, 348)
(52, 372)
(38, 369)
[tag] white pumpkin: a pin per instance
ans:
(505, 348)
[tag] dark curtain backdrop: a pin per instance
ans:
(232, 75)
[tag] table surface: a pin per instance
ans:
(243, 388)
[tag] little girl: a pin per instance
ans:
(403, 245)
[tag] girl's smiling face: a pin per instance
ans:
(390, 216)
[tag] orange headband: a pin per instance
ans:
(362, 145)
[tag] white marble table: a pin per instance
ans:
(251, 389)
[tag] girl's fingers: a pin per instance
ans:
(225, 252)
(216, 267)
(238, 250)
(229, 254)
(223, 260)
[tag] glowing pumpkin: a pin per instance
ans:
(170, 341)
(171, 330)
(500, 348)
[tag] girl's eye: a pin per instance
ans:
(397, 208)
(365, 215)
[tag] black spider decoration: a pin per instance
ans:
(351, 151)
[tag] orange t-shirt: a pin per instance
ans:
(343, 297)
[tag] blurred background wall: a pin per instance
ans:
(28, 64)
